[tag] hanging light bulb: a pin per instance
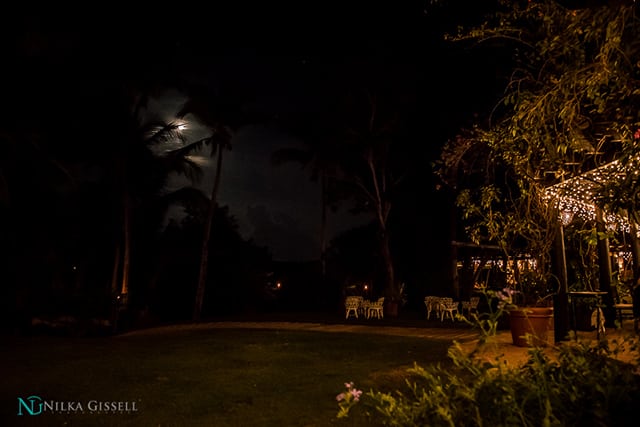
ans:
(566, 217)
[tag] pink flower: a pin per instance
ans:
(352, 394)
(356, 394)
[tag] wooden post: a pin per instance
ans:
(635, 254)
(604, 263)
(561, 301)
(635, 250)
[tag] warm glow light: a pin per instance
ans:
(366, 287)
(278, 285)
(567, 216)
(182, 127)
(575, 196)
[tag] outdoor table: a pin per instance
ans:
(588, 294)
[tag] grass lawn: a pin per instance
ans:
(217, 377)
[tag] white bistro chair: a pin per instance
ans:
(433, 304)
(376, 309)
(471, 305)
(351, 305)
(448, 306)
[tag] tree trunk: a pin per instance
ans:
(383, 207)
(204, 254)
(126, 261)
(115, 272)
(115, 299)
(391, 290)
(635, 285)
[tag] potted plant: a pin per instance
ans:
(529, 307)
(513, 214)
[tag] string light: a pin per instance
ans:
(575, 197)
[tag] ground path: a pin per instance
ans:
(440, 333)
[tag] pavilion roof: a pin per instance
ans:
(578, 195)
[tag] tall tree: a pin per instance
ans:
(351, 151)
(141, 167)
(371, 163)
(222, 118)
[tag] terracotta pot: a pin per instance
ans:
(536, 321)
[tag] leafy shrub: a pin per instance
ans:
(585, 386)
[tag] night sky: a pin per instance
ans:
(279, 62)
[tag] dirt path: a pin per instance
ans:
(446, 334)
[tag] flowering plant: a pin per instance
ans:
(347, 399)
(506, 299)
(540, 391)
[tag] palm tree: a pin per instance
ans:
(219, 140)
(222, 119)
(140, 170)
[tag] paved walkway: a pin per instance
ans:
(502, 346)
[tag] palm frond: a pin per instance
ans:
(220, 139)
(183, 165)
(157, 133)
(192, 147)
(215, 140)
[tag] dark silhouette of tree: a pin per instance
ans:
(237, 264)
(222, 117)
(354, 147)
(372, 163)
(139, 171)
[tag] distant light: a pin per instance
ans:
(366, 287)
(182, 127)
(278, 285)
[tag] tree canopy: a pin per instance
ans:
(570, 106)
